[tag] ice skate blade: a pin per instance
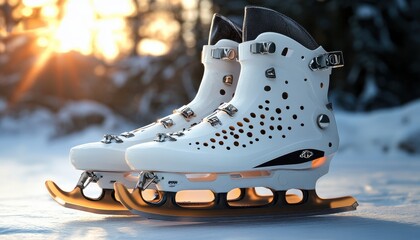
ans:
(221, 211)
(105, 204)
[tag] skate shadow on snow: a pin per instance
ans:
(323, 227)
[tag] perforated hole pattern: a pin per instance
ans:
(253, 126)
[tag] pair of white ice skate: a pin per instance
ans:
(261, 120)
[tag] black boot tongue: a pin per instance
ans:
(260, 20)
(223, 28)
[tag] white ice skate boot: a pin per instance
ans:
(278, 133)
(104, 162)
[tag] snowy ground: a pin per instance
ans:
(373, 165)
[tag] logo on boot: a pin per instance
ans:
(172, 183)
(306, 154)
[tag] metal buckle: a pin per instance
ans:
(166, 122)
(327, 60)
(228, 80)
(213, 119)
(162, 137)
(263, 48)
(186, 112)
(228, 108)
(127, 134)
(224, 53)
(178, 134)
(108, 138)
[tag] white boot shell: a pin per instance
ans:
(215, 89)
(283, 123)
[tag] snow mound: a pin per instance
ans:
(76, 116)
(25, 122)
(387, 133)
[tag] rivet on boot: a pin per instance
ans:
(270, 73)
(323, 121)
(228, 80)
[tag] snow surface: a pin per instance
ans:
(371, 165)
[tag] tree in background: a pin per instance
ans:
(141, 59)
(379, 39)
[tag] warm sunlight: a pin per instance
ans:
(114, 8)
(152, 47)
(37, 3)
(107, 30)
(159, 31)
(101, 28)
(75, 29)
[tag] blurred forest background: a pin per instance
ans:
(83, 61)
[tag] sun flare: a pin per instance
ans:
(107, 30)
(100, 28)
(74, 32)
